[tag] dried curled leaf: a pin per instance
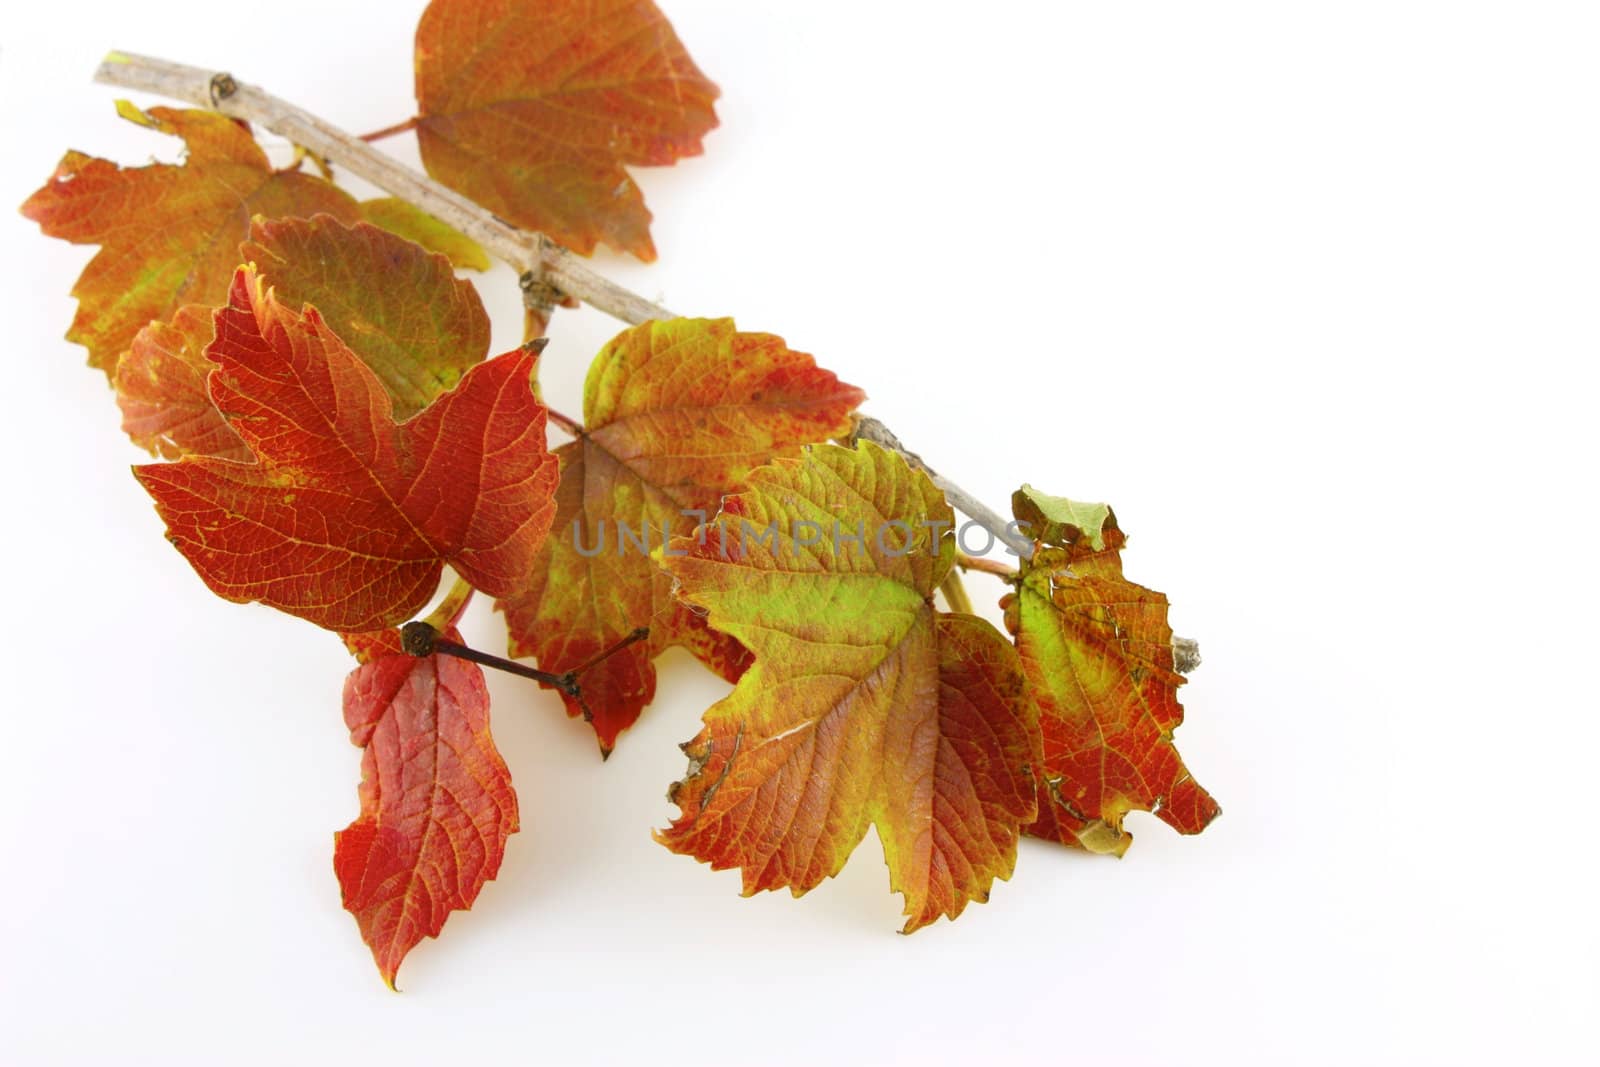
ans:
(436, 798)
(169, 235)
(1098, 654)
(676, 414)
(532, 110)
(864, 705)
(346, 518)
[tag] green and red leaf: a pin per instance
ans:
(396, 305)
(676, 415)
(865, 705)
(1098, 655)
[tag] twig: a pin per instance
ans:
(531, 254)
(422, 638)
(870, 429)
(524, 250)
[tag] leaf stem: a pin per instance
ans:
(450, 608)
(955, 594)
(566, 422)
(639, 633)
(390, 131)
(986, 566)
(422, 638)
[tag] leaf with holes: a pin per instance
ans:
(676, 415)
(865, 705)
(169, 235)
(1098, 654)
(346, 517)
(533, 110)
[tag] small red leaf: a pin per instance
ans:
(436, 800)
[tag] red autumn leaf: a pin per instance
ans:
(676, 414)
(347, 517)
(865, 705)
(161, 388)
(532, 110)
(1098, 654)
(169, 235)
(436, 798)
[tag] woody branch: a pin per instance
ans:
(528, 252)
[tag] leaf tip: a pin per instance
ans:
(127, 109)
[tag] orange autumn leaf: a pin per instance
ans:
(436, 798)
(346, 517)
(865, 705)
(1098, 654)
(406, 220)
(676, 414)
(533, 110)
(169, 234)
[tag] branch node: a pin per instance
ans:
(222, 87)
(418, 638)
(537, 292)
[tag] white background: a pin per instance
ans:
(1306, 290)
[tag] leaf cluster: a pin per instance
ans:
(331, 437)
